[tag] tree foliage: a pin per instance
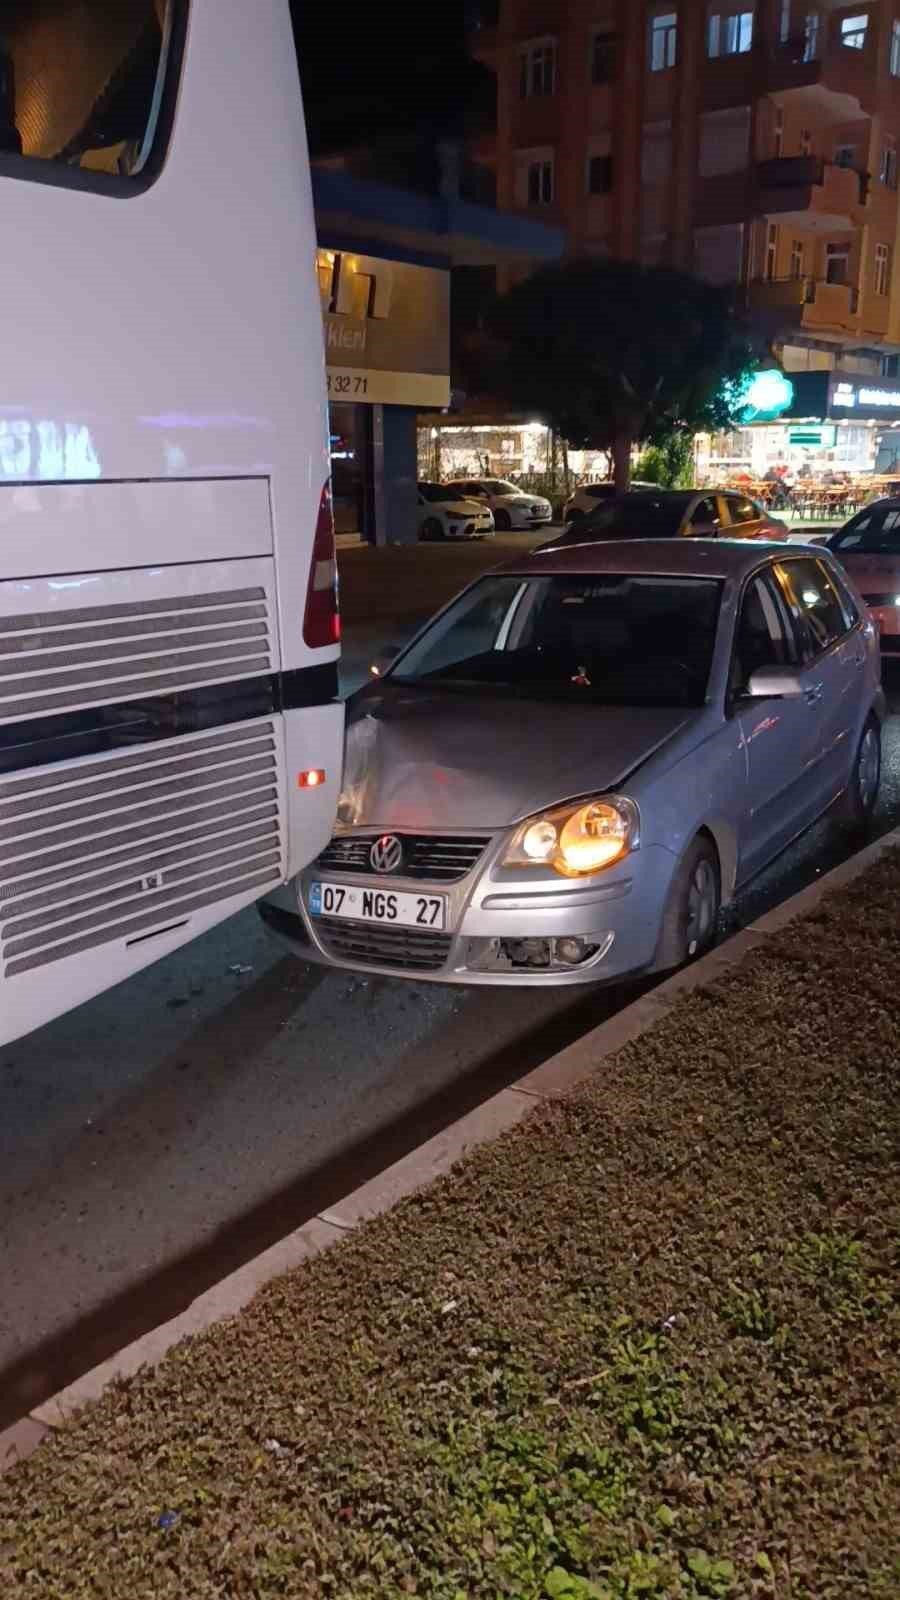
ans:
(611, 353)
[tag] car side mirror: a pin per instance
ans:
(774, 683)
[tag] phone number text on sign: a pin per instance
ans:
(343, 383)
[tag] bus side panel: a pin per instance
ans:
(163, 374)
(106, 876)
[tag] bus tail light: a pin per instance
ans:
(322, 622)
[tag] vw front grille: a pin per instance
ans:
(437, 858)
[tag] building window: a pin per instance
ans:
(599, 174)
(895, 49)
(663, 40)
(811, 37)
(603, 56)
(537, 69)
(778, 135)
(837, 263)
(805, 142)
(771, 250)
(730, 34)
(890, 366)
(882, 269)
(845, 155)
(887, 171)
(797, 258)
(540, 183)
(853, 31)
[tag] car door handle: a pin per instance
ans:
(813, 694)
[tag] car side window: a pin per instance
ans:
(814, 604)
(762, 637)
(740, 509)
(704, 517)
(848, 604)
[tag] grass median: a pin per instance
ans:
(647, 1344)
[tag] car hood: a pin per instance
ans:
(522, 499)
(418, 758)
(461, 507)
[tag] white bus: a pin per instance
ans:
(170, 734)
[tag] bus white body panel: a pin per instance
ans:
(163, 452)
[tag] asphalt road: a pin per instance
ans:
(163, 1133)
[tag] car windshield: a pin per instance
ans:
(873, 532)
(636, 517)
(501, 487)
(436, 492)
(605, 639)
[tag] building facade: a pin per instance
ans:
(386, 261)
(749, 141)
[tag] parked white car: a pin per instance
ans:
(444, 514)
(512, 508)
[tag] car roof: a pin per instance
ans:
(682, 558)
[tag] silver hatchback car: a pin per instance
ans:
(576, 763)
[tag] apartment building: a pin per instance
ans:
(750, 141)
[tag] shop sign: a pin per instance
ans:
(823, 438)
(862, 399)
(387, 330)
(765, 396)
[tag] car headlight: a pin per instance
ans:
(577, 841)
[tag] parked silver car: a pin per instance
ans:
(573, 766)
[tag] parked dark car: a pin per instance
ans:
(675, 513)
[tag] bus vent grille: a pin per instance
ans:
(115, 848)
(55, 661)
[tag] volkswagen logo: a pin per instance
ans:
(386, 854)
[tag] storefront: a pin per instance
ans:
(836, 434)
(387, 354)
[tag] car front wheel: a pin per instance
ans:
(691, 917)
(431, 529)
(502, 521)
(861, 796)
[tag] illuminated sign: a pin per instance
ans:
(880, 397)
(765, 396)
(844, 395)
(825, 437)
(387, 330)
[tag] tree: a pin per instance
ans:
(670, 462)
(611, 354)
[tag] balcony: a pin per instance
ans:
(811, 193)
(806, 304)
(837, 81)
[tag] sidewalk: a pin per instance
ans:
(647, 1343)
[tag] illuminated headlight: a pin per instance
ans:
(578, 840)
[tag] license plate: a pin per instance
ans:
(378, 905)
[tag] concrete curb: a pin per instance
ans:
(430, 1160)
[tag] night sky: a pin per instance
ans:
(370, 70)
